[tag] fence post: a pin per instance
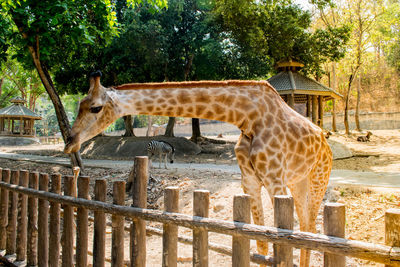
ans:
(138, 226)
(117, 250)
(43, 216)
(334, 225)
(6, 174)
(12, 216)
(170, 231)
(32, 221)
(241, 245)
(54, 226)
(22, 217)
(283, 218)
(392, 229)
(67, 239)
(99, 239)
(201, 203)
(82, 223)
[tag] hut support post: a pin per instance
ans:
(321, 111)
(315, 109)
(308, 106)
(291, 100)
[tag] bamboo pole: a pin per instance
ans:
(22, 217)
(43, 216)
(99, 239)
(170, 236)
(334, 225)
(67, 239)
(31, 252)
(6, 175)
(117, 250)
(82, 230)
(12, 216)
(303, 240)
(283, 218)
(392, 232)
(201, 203)
(138, 226)
(241, 244)
(54, 227)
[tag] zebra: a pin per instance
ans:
(161, 148)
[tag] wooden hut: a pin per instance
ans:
(17, 120)
(303, 94)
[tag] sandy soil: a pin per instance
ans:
(365, 207)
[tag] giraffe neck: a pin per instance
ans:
(237, 104)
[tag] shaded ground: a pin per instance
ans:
(364, 207)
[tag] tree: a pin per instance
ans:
(53, 32)
(360, 16)
(275, 30)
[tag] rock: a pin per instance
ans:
(339, 150)
(129, 147)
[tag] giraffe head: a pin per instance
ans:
(96, 111)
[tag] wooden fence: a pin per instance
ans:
(30, 214)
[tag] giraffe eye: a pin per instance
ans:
(95, 109)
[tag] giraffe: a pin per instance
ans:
(277, 148)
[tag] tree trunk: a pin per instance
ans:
(334, 128)
(170, 127)
(49, 86)
(195, 130)
(1, 85)
(149, 125)
(128, 126)
(357, 115)
(334, 85)
(346, 106)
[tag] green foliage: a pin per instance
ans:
(279, 30)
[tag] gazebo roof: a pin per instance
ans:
(288, 82)
(17, 110)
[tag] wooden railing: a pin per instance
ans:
(30, 212)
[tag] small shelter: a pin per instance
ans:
(17, 120)
(303, 94)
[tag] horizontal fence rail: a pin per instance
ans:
(358, 249)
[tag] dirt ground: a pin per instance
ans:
(365, 206)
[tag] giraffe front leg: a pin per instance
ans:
(251, 186)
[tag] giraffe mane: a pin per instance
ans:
(192, 84)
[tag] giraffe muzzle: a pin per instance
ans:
(72, 145)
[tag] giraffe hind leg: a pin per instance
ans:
(252, 186)
(308, 194)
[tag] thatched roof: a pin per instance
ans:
(17, 110)
(288, 82)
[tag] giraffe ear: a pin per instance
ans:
(94, 89)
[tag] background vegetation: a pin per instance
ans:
(352, 46)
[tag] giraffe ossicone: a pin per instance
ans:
(277, 148)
